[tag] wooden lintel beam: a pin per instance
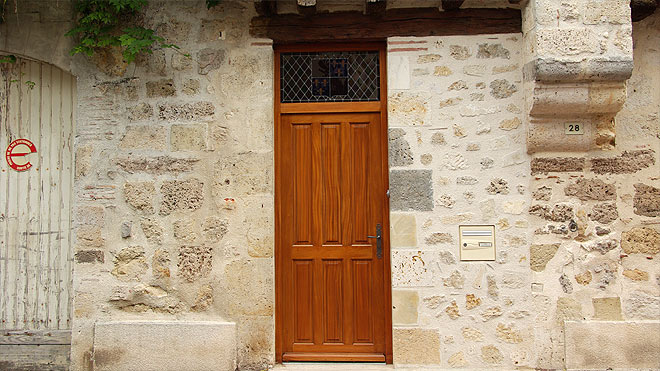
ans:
(265, 8)
(451, 4)
(375, 6)
(291, 28)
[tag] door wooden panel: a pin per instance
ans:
(331, 197)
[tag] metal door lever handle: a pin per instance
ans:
(379, 241)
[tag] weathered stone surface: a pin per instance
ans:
(508, 334)
(438, 139)
(472, 301)
(442, 71)
(438, 238)
(640, 240)
(491, 355)
(204, 299)
(455, 280)
(428, 58)
(152, 230)
(188, 137)
(257, 342)
(566, 284)
(125, 229)
(426, 159)
(449, 102)
(399, 149)
(245, 173)
(248, 289)
(161, 88)
(490, 313)
(403, 230)
(452, 310)
(209, 60)
(214, 228)
(583, 278)
(194, 262)
(181, 195)
(416, 346)
(486, 163)
(140, 112)
(492, 51)
(602, 231)
(557, 164)
(211, 30)
(130, 263)
(498, 186)
(125, 345)
(156, 165)
(599, 345)
(89, 236)
(603, 246)
(626, 163)
(467, 180)
(460, 53)
(90, 256)
(567, 310)
(540, 255)
(174, 31)
(542, 193)
(185, 230)
(646, 200)
(493, 291)
(636, 274)
(140, 196)
(186, 111)
(510, 124)
(190, 87)
(458, 85)
(457, 360)
(501, 89)
(411, 190)
(144, 137)
(160, 265)
(404, 307)
(110, 61)
(642, 305)
(504, 69)
(181, 62)
(591, 189)
(558, 213)
(604, 213)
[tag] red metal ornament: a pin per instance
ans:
(19, 149)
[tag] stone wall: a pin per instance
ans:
(174, 182)
(457, 148)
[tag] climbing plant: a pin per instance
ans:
(106, 23)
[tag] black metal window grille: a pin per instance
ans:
(329, 77)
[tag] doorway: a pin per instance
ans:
(332, 255)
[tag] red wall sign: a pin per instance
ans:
(16, 154)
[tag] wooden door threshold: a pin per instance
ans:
(333, 357)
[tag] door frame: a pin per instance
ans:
(329, 107)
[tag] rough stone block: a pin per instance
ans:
(90, 256)
(247, 288)
(403, 230)
(501, 89)
(210, 30)
(618, 345)
(557, 164)
(409, 268)
(130, 263)
(83, 160)
(181, 195)
(646, 200)
(399, 149)
(591, 189)
(492, 51)
(640, 240)
(209, 60)
(190, 137)
(404, 307)
(256, 349)
(566, 41)
(156, 165)
(174, 31)
(416, 346)
(144, 137)
(604, 213)
(140, 112)
(190, 87)
(195, 262)
(181, 62)
(626, 163)
(540, 255)
(140, 196)
(161, 88)
(558, 213)
(411, 190)
(186, 111)
(164, 345)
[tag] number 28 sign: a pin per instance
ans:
(17, 152)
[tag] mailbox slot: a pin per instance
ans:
(476, 242)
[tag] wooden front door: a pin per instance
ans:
(333, 279)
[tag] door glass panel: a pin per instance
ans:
(330, 77)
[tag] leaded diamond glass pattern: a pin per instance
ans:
(330, 77)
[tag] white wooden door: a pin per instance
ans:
(37, 102)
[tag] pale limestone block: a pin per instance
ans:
(190, 137)
(404, 307)
(398, 72)
(416, 346)
(403, 229)
(412, 268)
(607, 309)
(164, 345)
(604, 344)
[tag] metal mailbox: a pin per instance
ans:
(476, 242)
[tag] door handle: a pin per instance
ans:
(379, 241)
